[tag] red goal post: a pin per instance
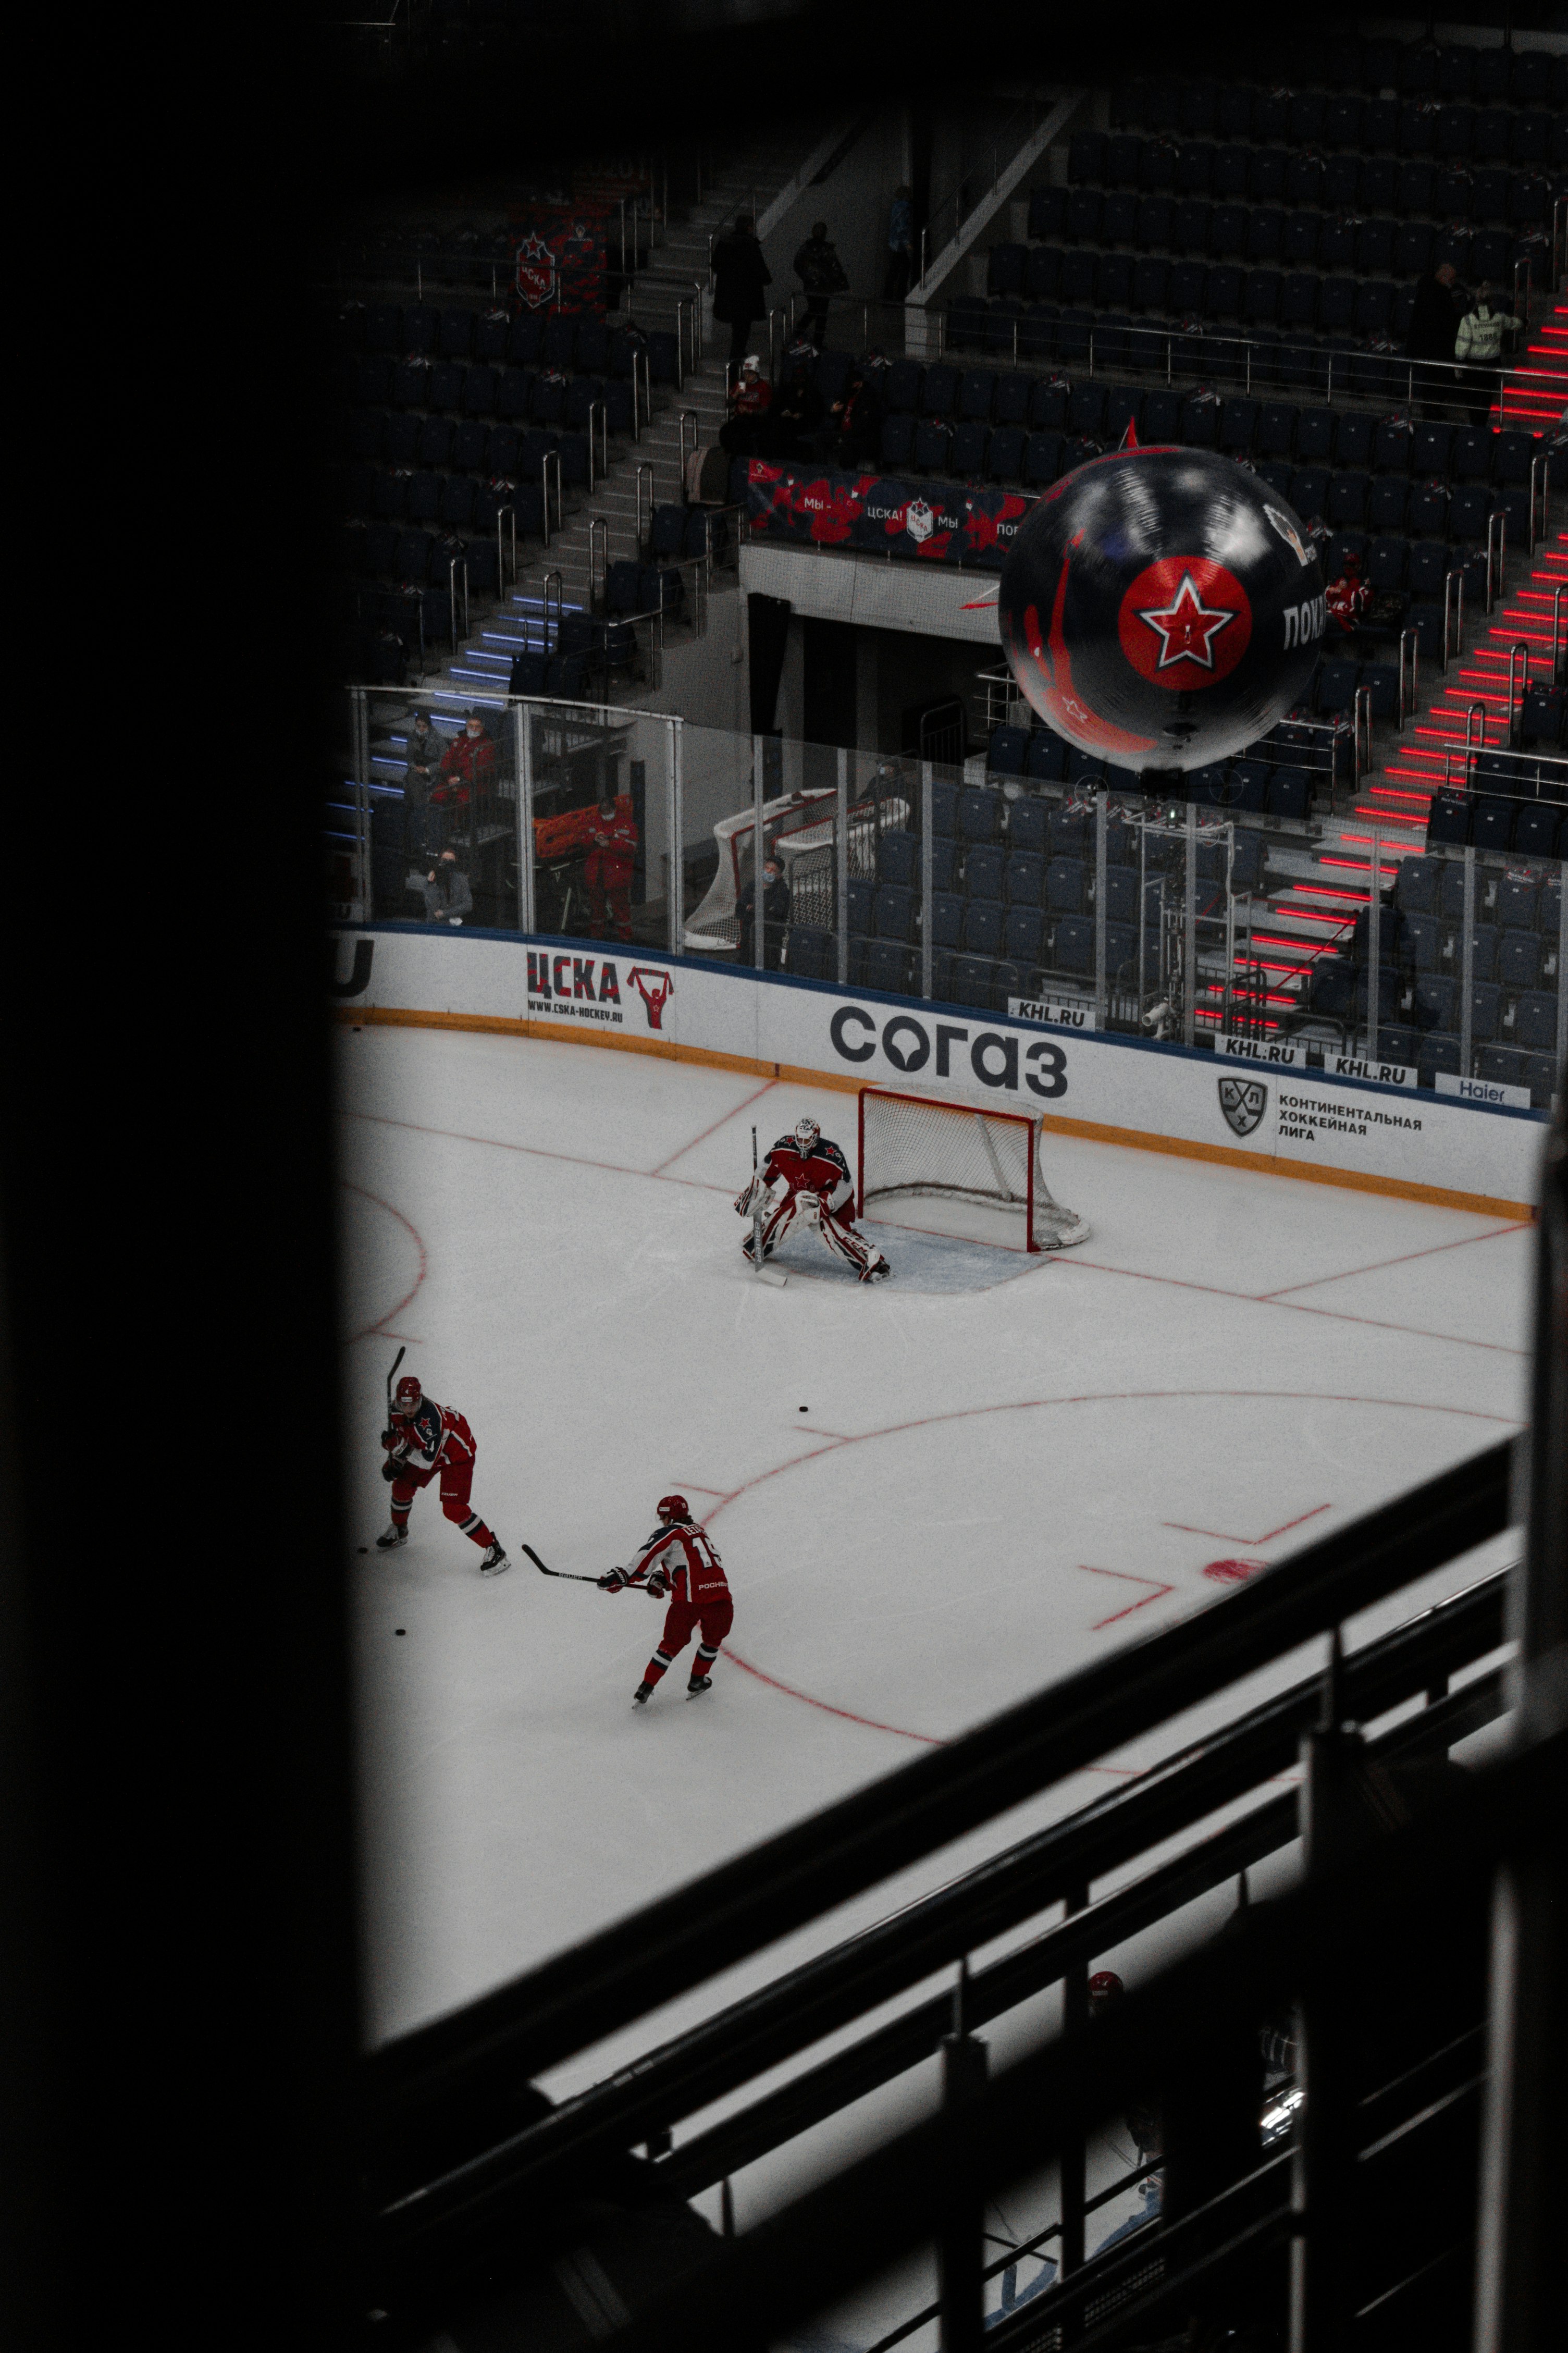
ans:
(922, 1144)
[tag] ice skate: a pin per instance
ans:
(391, 1538)
(877, 1273)
(642, 1695)
(699, 1683)
(495, 1562)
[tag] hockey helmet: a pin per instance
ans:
(408, 1395)
(1104, 1986)
(806, 1132)
(674, 1507)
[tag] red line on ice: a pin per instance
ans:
(707, 1132)
(826, 1706)
(378, 1329)
(1227, 1536)
(1519, 1226)
(1127, 1578)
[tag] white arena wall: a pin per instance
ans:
(1114, 1089)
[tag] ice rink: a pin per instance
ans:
(931, 1500)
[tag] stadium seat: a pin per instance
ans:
(1065, 886)
(1042, 459)
(1026, 817)
(1023, 933)
(979, 813)
(1386, 502)
(983, 872)
(967, 452)
(946, 918)
(1288, 793)
(932, 445)
(1073, 945)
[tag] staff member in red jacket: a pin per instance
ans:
(607, 869)
(467, 773)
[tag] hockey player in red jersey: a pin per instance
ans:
(818, 1184)
(608, 868)
(426, 1437)
(679, 1559)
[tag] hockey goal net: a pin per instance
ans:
(917, 1145)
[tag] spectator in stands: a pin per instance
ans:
(447, 898)
(1434, 324)
(421, 769)
(794, 426)
(821, 273)
(900, 245)
(858, 418)
(468, 774)
(740, 276)
(607, 869)
(1348, 596)
(1479, 348)
(776, 917)
(746, 434)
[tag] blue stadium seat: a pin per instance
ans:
(946, 918)
(983, 920)
(1073, 945)
(1288, 793)
(1023, 933)
(1024, 878)
(1065, 886)
(897, 857)
(979, 813)
(1047, 763)
(983, 872)
(1042, 459)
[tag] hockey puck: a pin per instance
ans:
(803, 1408)
(400, 1629)
(364, 1547)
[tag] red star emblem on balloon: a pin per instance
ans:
(1187, 625)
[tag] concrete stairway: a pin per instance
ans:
(678, 272)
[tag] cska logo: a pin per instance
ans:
(654, 984)
(535, 271)
(920, 520)
(1187, 628)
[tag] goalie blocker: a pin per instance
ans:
(918, 1144)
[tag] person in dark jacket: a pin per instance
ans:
(794, 424)
(859, 417)
(740, 276)
(775, 915)
(821, 273)
(1433, 322)
(900, 245)
(421, 768)
(447, 898)
(746, 434)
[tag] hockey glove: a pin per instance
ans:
(612, 1581)
(748, 1192)
(658, 1584)
(391, 1467)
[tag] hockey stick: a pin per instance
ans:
(573, 1576)
(772, 1275)
(395, 1362)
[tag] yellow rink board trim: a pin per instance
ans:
(567, 1033)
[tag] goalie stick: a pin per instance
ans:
(772, 1275)
(573, 1577)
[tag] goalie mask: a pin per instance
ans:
(674, 1507)
(807, 1136)
(407, 1400)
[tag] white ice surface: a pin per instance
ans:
(930, 1504)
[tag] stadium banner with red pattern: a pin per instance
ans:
(880, 514)
(561, 255)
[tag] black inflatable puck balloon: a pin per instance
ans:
(1162, 607)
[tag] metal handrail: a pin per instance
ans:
(1539, 469)
(552, 579)
(1360, 724)
(642, 484)
(1559, 647)
(1476, 711)
(549, 472)
(458, 563)
(598, 563)
(1512, 730)
(599, 452)
(508, 512)
(1497, 533)
(1453, 616)
(1407, 705)
(1035, 107)
(687, 417)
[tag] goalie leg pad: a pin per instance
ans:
(778, 1222)
(844, 1242)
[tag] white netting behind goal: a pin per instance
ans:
(915, 1145)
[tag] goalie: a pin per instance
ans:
(817, 1185)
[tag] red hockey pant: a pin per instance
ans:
(456, 1478)
(714, 1618)
(619, 895)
